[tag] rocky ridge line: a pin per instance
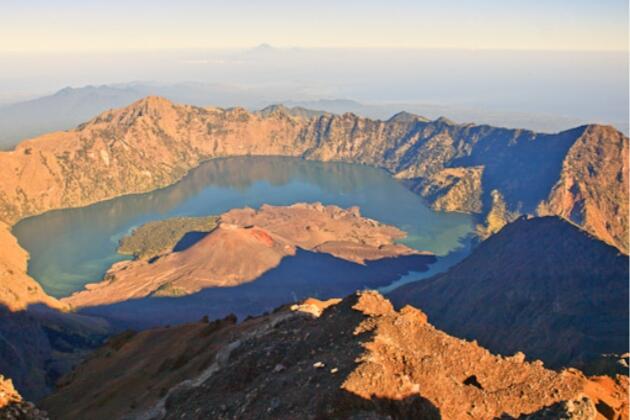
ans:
(355, 358)
(153, 143)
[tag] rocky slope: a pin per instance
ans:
(542, 286)
(153, 143)
(356, 358)
(12, 406)
(245, 244)
(38, 340)
(588, 192)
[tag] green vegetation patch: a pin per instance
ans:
(155, 238)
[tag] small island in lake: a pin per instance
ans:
(238, 247)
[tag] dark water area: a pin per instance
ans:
(307, 274)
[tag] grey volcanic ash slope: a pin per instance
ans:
(541, 286)
(355, 358)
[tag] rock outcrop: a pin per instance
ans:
(357, 358)
(542, 286)
(245, 244)
(13, 407)
(453, 190)
(588, 191)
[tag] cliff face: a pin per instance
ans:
(593, 187)
(542, 286)
(356, 358)
(153, 143)
(453, 189)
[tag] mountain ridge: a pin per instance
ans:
(153, 143)
(350, 358)
(541, 285)
(71, 106)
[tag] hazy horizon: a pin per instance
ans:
(580, 87)
(563, 60)
(117, 25)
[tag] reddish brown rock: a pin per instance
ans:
(358, 359)
(593, 187)
(12, 406)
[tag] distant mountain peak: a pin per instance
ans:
(445, 121)
(262, 49)
(406, 117)
(263, 46)
(155, 106)
(64, 91)
(152, 102)
(295, 111)
(274, 108)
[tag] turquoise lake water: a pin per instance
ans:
(72, 247)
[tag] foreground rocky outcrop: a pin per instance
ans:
(13, 407)
(542, 286)
(245, 244)
(356, 358)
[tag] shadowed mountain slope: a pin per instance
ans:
(40, 344)
(542, 286)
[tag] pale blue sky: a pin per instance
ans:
(117, 25)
